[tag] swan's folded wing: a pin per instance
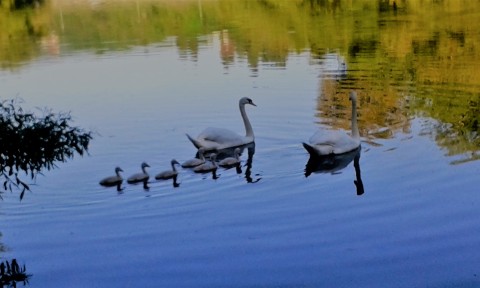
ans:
(220, 135)
(336, 140)
(328, 137)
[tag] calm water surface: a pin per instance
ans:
(415, 225)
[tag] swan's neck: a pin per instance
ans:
(173, 167)
(118, 173)
(355, 133)
(144, 170)
(248, 126)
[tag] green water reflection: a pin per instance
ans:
(407, 58)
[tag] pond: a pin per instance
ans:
(402, 212)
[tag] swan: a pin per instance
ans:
(325, 142)
(231, 161)
(207, 166)
(139, 177)
(220, 138)
(168, 174)
(195, 161)
(113, 180)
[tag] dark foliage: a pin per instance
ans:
(11, 273)
(29, 143)
(21, 4)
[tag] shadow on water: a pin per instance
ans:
(145, 184)
(117, 184)
(333, 164)
(229, 152)
(11, 273)
(175, 184)
(120, 188)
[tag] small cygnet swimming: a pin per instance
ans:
(113, 180)
(231, 161)
(195, 161)
(207, 166)
(139, 177)
(168, 174)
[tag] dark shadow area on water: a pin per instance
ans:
(333, 164)
(229, 152)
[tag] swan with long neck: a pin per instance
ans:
(326, 142)
(113, 180)
(220, 138)
(139, 177)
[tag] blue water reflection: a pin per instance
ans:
(261, 224)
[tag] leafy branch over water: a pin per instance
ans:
(30, 143)
(11, 273)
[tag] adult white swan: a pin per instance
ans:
(325, 142)
(220, 138)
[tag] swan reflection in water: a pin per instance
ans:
(333, 164)
(174, 182)
(231, 152)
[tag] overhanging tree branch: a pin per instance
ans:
(30, 143)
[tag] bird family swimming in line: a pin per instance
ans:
(322, 143)
(143, 176)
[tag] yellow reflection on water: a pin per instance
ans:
(411, 58)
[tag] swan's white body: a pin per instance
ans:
(195, 161)
(207, 166)
(325, 142)
(168, 174)
(231, 161)
(139, 177)
(113, 180)
(220, 138)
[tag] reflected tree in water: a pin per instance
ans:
(11, 273)
(30, 143)
(392, 62)
(21, 4)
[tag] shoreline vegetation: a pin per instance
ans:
(391, 63)
(30, 143)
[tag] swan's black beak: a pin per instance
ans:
(251, 103)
